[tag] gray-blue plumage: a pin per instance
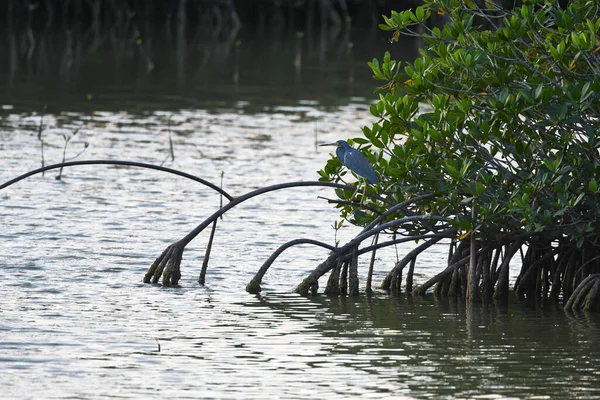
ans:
(355, 161)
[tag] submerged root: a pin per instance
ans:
(344, 279)
(166, 265)
(308, 286)
(393, 280)
(353, 289)
(586, 296)
(333, 283)
(202, 277)
(253, 286)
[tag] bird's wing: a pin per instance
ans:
(359, 164)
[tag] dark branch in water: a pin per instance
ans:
(168, 263)
(254, 285)
(397, 207)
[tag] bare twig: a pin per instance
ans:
(67, 140)
(171, 151)
(40, 129)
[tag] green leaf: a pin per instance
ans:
(377, 143)
(585, 91)
(420, 13)
(578, 199)
(374, 111)
(359, 140)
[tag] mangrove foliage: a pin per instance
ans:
(498, 123)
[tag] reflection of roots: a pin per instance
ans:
(167, 265)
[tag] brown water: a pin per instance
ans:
(76, 321)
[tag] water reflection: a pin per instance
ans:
(187, 54)
(416, 348)
(76, 321)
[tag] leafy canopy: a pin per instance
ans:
(499, 117)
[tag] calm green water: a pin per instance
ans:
(76, 321)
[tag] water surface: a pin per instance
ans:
(76, 321)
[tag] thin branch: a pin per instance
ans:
(40, 130)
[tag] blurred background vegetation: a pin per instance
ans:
(144, 54)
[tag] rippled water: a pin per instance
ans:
(76, 321)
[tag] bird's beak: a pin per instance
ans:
(328, 144)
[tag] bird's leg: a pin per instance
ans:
(364, 194)
(362, 200)
(356, 191)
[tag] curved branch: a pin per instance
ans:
(413, 218)
(156, 269)
(395, 208)
(393, 279)
(577, 299)
(117, 162)
(310, 283)
(350, 203)
(449, 269)
(532, 269)
(254, 285)
(240, 199)
(449, 234)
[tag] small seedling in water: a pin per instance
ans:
(40, 129)
(336, 226)
(171, 151)
(67, 140)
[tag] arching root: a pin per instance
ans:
(586, 296)
(168, 265)
(393, 279)
(343, 279)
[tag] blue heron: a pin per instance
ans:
(354, 160)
